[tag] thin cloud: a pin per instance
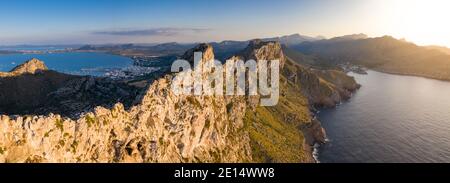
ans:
(151, 32)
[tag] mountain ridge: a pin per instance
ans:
(163, 127)
(385, 54)
(31, 88)
(31, 66)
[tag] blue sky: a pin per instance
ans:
(145, 21)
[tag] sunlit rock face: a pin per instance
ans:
(264, 50)
(29, 67)
(163, 127)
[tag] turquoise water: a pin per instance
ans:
(391, 118)
(78, 63)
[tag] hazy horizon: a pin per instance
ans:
(51, 22)
(319, 37)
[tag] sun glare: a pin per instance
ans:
(424, 22)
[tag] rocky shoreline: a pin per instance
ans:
(315, 135)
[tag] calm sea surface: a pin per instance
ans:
(95, 64)
(391, 118)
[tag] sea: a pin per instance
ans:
(76, 63)
(391, 119)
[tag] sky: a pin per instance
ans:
(143, 21)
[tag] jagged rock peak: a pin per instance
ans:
(205, 48)
(264, 50)
(31, 66)
(258, 43)
(164, 127)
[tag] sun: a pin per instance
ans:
(424, 22)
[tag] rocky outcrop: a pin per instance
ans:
(163, 127)
(31, 88)
(261, 50)
(29, 67)
(206, 49)
(314, 135)
(288, 131)
(83, 94)
(323, 88)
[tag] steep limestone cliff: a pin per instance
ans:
(264, 50)
(162, 128)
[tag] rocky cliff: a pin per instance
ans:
(286, 132)
(29, 67)
(263, 50)
(31, 88)
(164, 127)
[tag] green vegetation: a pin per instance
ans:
(207, 123)
(229, 107)
(61, 143)
(215, 155)
(306, 60)
(275, 131)
(74, 146)
(192, 100)
(90, 120)
(47, 134)
(385, 54)
(21, 142)
(106, 122)
(59, 124)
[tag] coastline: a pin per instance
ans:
(314, 135)
(313, 148)
(411, 75)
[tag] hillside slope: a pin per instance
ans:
(162, 127)
(385, 54)
(286, 132)
(31, 88)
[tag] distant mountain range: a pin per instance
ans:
(31, 88)
(293, 39)
(385, 54)
(223, 49)
(115, 121)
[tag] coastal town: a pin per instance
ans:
(130, 72)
